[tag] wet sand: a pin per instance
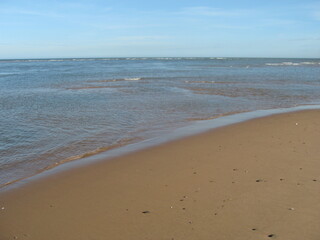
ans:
(253, 180)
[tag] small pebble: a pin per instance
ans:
(2, 208)
(291, 208)
(253, 229)
(271, 235)
(145, 212)
(259, 180)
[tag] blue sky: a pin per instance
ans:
(146, 28)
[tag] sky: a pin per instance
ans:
(166, 28)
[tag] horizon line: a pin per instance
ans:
(48, 58)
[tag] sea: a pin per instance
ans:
(54, 111)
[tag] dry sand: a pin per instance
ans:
(258, 179)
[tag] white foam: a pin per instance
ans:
(132, 79)
(218, 58)
(7, 73)
(56, 60)
(310, 63)
(292, 63)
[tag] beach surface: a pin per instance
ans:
(257, 179)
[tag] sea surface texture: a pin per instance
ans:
(58, 110)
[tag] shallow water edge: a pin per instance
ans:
(196, 127)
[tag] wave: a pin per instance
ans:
(60, 60)
(292, 63)
(132, 59)
(3, 74)
(132, 79)
(310, 63)
(92, 59)
(218, 58)
(40, 60)
(118, 144)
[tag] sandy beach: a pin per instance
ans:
(257, 179)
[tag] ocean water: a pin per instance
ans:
(58, 110)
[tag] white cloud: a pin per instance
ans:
(316, 15)
(213, 12)
(86, 7)
(111, 26)
(141, 38)
(278, 22)
(307, 38)
(18, 11)
(228, 26)
(65, 10)
(313, 10)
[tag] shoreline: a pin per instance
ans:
(193, 128)
(80, 115)
(253, 179)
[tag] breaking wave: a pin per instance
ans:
(293, 63)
